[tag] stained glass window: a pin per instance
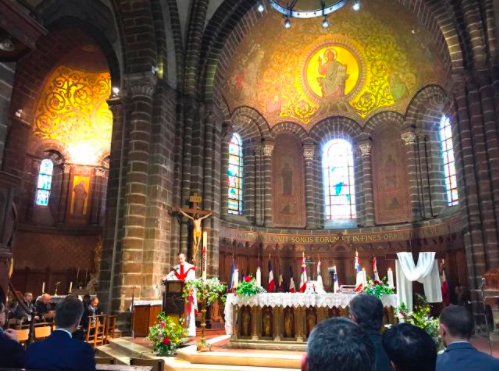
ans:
(449, 161)
(339, 183)
(44, 182)
(235, 175)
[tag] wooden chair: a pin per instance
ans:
(105, 361)
(156, 364)
(95, 331)
(16, 324)
(23, 336)
(42, 332)
(109, 328)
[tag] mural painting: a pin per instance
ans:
(80, 195)
(391, 183)
(288, 182)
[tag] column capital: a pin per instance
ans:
(308, 152)
(409, 138)
(365, 148)
(141, 84)
(258, 150)
(114, 104)
(268, 148)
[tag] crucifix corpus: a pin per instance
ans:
(196, 215)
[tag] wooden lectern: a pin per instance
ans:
(173, 301)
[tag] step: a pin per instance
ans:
(108, 351)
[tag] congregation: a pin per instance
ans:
(338, 344)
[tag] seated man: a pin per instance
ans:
(92, 310)
(43, 307)
(456, 328)
(20, 313)
(338, 344)
(11, 352)
(60, 351)
(410, 348)
(367, 312)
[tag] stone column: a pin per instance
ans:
(365, 147)
(63, 199)
(409, 138)
(141, 88)
(225, 168)
(308, 155)
(249, 186)
(259, 194)
(268, 148)
(96, 196)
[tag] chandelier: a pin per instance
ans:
(306, 8)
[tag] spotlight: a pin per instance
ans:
(287, 23)
(260, 7)
(115, 90)
(325, 22)
(7, 45)
(356, 5)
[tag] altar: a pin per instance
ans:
(284, 321)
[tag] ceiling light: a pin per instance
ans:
(7, 45)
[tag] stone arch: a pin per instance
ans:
(54, 150)
(335, 127)
(429, 96)
(250, 124)
(290, 127)
(381, 119)
(226, 29)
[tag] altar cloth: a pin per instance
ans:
(294, 300)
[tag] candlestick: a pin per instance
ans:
(43, 288)
(205, 256)
(70, 287)
(390, 278)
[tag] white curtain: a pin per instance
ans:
(426, 272)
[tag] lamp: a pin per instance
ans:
(7, 45)
(303, 9)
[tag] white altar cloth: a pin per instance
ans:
(294, 300)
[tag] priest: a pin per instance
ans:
(184, 271)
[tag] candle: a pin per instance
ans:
(236, 279)
(43, 288)
(390, 278)
(336, 286)
(364, 277)
(70, 287)
(259, 277)
(205, 257)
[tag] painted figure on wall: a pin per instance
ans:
(335, 75)
(287, 180)
(80, 197)
(391, 182)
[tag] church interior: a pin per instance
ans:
(295, 138)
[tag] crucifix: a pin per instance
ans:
(196, 215)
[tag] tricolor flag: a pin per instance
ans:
(232, 270)
(303, 279)
(375, 270)
(359, 281)
(292, 287)
(319, 276)
(336, 285)
(271, 287)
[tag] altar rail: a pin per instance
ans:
(285, 321)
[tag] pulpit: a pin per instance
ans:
(173, 301)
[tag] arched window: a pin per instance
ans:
(235, 175)
(449, 161)
(339, 183)
(44, 182)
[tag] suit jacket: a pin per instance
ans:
(60, 352)
(463, 357)
(41, 308)
(11, 353)
(20, 313)
(382, 361)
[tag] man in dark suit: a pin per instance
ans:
(20, 313)
(60, 351)
(11, 352)
(456, 328)
(367, 312)
(43, 307)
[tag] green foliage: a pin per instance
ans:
(248, 287)
(209, 290)
(378, 288)
(166, 335)
(420, 317)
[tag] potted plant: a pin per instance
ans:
(166, 336)
(378, 288)
(248, 287)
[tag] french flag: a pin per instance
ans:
(359, 281)
(271, 287)
(304, 279)
(292, 287)
(375, 270)
(336, 287)
(232, 270)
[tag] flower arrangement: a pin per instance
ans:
(378, 288)
(248, 287)
(420, 317)
(209, 290)
(166, 335)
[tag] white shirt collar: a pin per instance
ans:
(66, 331)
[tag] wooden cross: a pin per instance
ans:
(195, 201)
